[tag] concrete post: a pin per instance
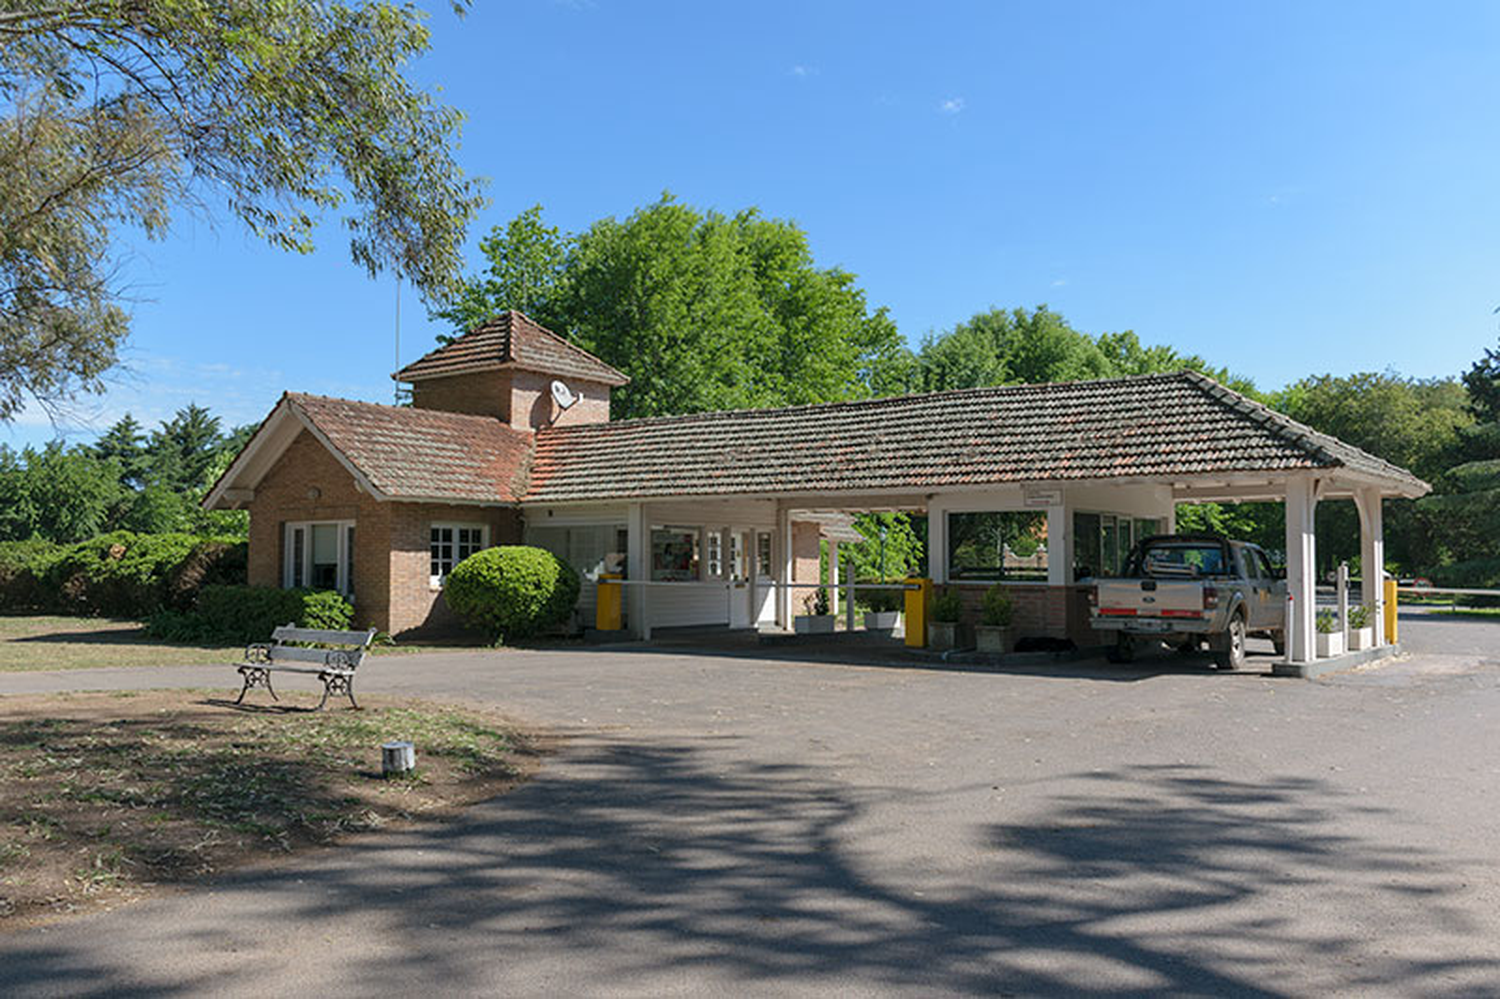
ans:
(1372, 558)
(1342, 582)
(638, 567)
(784, 569)
(1059, 547)
(833, 577)
(849, 598)
(1301, 571)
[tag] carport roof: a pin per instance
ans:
(1171, 426)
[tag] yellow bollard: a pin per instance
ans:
(1390, 611)
(607, 603)
(916, 612)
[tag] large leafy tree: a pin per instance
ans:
(702, 310)
(115, 112)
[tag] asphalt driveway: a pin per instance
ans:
(728, 824)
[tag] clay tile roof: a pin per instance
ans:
(511, 339)
(423, 453)
(1154, 425)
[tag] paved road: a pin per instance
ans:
(739, 825)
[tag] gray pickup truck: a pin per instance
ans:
(1188, 589)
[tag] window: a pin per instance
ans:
(1102, 542)
(997, 544)
(591, 549)
(319, 555)
(450, 544)
(674, 554)
(714, 547)
(736, 555)
(763, 567)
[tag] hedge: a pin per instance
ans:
(121, 574)
(230, 615)
(512, 591)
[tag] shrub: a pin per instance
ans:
(948, 608)
(1359, 616)
(512, 591)
(23, 574)
(885, 601)
(230, 615)
(998, 609)
(120, 574)
(1325, 622)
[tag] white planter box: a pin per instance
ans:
(1361, 638)
(813, 624)
(881, 620)
(1330, 645)
(992, 638)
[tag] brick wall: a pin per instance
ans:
(805, 565)
(482, 393)
(521, 398)
(531, 405)
(392, 580)
(1039, 610)
(308, 483)
(415, 605)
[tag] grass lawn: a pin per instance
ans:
(39, 641)
(107, 797)
(44, 642)
(1471, 611)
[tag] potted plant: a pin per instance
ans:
(1330, 636)
(993, 633)
(885, 610)
(946, 630)
(1361, 633)
(815, 620)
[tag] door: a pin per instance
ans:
(1265, 601)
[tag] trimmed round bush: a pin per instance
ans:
(512, 591)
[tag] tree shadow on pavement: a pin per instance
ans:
(641, 868)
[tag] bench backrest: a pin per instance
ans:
(348, 656)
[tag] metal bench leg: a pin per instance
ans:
(255, 676)
(338, 683)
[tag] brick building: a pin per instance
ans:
(716, 518)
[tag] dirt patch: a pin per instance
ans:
(105, 798)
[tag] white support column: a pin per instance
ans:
(638, 567)
(784, 568)
(937, 542)
(833, 577)
(1301, 571)
(1059, 546)
(1372, 557)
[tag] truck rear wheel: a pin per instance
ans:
(1229, 650)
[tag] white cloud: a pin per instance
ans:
(952, 105)
(800, 71)
(1059, 282)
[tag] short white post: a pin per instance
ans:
(849, 598)
(1343, 585)
(833, 577)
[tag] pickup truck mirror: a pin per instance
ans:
(1279, 572)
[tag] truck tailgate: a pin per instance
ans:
(1150, 598)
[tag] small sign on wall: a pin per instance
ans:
(1034, 497)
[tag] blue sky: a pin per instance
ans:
(1286, 189)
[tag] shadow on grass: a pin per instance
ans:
(679, 865)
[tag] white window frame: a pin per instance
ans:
(436, 579)
(344, 580)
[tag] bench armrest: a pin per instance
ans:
(258, 653)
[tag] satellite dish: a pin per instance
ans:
(562, 395)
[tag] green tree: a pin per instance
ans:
(184, 449)
(56, 494)
(702, 310)
(125, 442)
(1482, 381)
(115, 113)
(526, 268)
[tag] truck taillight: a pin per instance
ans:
(1210, 597)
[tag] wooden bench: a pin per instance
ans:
(334, 666)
